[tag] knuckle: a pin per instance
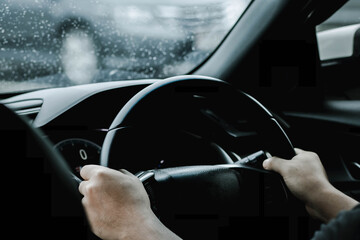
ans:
(270, 162)
(100, 174)
(84, 201)
(91, 190)
(81, 187)
(316, 155)
(312, 155)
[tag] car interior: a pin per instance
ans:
(195, 140)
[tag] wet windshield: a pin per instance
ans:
(49, 43)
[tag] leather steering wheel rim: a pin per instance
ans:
(195, 86)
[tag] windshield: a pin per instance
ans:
(51, 43)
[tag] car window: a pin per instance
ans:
(337, 36)
(49, 43)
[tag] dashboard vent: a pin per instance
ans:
(28, 108)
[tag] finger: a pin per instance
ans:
(88, 170)
(275, 164)
(82, 187)
(298, 151)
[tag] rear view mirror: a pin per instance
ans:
(339, 44)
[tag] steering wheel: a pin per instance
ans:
(196, 199)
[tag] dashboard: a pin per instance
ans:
(76, 119)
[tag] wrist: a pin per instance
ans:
(149, 227)
(328, 202)
(158, 231)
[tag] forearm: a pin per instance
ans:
(327, 203)
(159, 231)
(151, 229)
(165, 233)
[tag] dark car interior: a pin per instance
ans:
(274, 94)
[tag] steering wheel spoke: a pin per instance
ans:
(223, 190)
(255, 159)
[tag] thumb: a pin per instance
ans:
(275, 164)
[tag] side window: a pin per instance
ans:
(339, 36)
